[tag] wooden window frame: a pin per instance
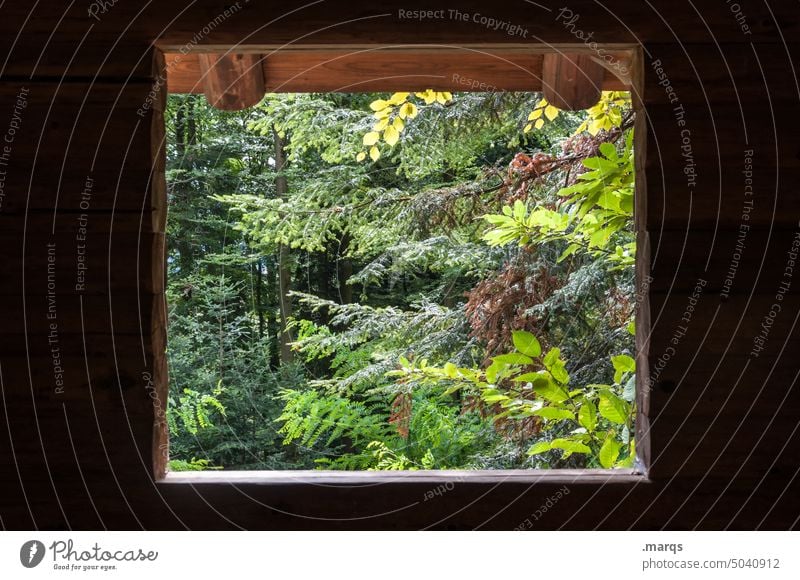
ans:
(590, 480)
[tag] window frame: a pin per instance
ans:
(487, 480)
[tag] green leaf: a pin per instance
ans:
(553, 413)
(550, 391)
(571, 249)
(613, 408)
(544, 387)
(559, 372)
(609, 151)
(587, 415)
(535, 379)
(540, 447)
(513, 358)
(450, 370)
(622, 364)
(495, 398)
(629, 391)
(526, 343)
(492, 371)
(570, 446)
(551, 357)
(600, 238)
(609, 452)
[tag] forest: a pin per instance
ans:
(404, 281)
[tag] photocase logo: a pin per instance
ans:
(31, 553)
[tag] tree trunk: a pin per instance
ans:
(284, 265)
(180, 130)
(191, 125)
(285, 284)
(345, 271)
(259, 282)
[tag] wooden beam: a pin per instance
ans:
(232, 81)
(355, 70)
(572, 81)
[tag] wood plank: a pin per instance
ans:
(208, 23)
(35, 262)
(159, 377)
(753, 446)
(748, 262)
(117, 313)
(710, 335)
(744, 189)
(76, 147)
(572, 82)
(388, 70)
(729, 73)
(232, 81)
(715, 136)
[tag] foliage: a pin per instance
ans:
(594, 215)
(526, 385)
(363, 316)
(392, 115)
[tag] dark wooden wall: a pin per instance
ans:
(78, 450)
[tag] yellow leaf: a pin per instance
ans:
(551, 112)
(443, 98)
(539, 123)
(361, 156)
(398, 98)
(381, 125)
(382, 114)
(595, 126)
(527, 128)
(371, 138)
(428, 96)
(378, 105)
(374, 153)
(409, 110)
(535, 114)
(542, 104)
(391, 135)
(398, 124)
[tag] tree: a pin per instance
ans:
(373, 245)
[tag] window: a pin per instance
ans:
(402, 280)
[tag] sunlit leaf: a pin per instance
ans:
(391, 135)
(540, 447)
(587, 416)
(378, 105)
(408, 111)
(371, 138)
(613, 408)
(609, 452)
(526, 343)
(550, 112)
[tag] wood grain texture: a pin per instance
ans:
(571, 81)
(231, 81)
(714, 460)
(368, 69)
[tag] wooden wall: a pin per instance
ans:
(81, 351)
